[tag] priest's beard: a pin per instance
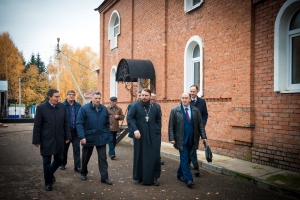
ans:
(145, 104)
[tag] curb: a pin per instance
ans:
(254, 180)
(262, 183)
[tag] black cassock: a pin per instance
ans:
(146, 158)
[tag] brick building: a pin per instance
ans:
(243, 55)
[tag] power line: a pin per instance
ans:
(77, 62)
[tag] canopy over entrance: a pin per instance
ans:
(141, 71)
(129, 70)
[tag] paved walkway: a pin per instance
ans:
(283, 181)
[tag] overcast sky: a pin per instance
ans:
(34, 25)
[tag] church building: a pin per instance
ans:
(244, 55)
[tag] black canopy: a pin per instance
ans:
(129, 70)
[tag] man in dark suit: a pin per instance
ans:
(201, 105)
(50, 131)
(185, 129)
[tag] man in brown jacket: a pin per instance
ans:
(115, 114)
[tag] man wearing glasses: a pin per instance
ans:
(72, 108)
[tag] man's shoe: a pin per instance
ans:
(77, 169)
(108, 182)
(180, 178)
(48, 187)
(53, 179)
(112, 157)
(155, 182)
(162, 162)
(83, 177)
(189, 183)
(62, 167)
(197, 172)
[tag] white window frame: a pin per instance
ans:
(189, 64)
(111, 26)
(113, 82)
(289, 73)
(188, 5)
(282, 48)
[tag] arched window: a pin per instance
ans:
(294, 36)
(113, 83)
(193, 64)
(114, 29)
(196, 64)
(287, 48)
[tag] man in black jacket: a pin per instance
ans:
(201, 105)
(185, 129)
(72, 108)
(50, 132)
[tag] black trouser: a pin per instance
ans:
(50, 168)
(102, 160)
(76, 150)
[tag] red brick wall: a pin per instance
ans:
(277, 116)
(238, 70)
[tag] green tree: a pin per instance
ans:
(37, 61)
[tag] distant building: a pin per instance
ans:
(88, 96)
(243, 55)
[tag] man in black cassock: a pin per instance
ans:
(145, 120)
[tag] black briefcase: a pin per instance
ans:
(208, 153)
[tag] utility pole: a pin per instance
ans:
(57, 57)
(77, 86)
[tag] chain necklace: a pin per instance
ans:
(147, 117)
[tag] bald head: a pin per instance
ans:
(185, 99)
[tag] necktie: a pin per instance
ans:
(187, 114)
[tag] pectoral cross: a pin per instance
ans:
(147, 118)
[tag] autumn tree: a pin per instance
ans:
(11, 65)
(34, 86)
(82, 63)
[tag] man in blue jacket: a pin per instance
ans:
(72, 108)
(93, 130)
(201, 105)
